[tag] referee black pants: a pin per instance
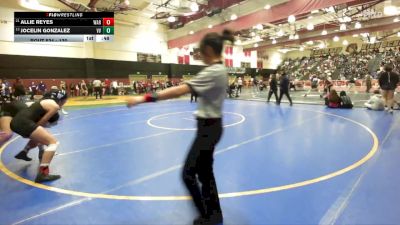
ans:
(284, 92)
(98, 91)
(199, 168)
(272, 91)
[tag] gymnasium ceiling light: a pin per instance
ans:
(347, 19)
(171, 19)
(291, 19)
(345, 43)
(336, 39)
(234, 17)
(267, 6)
(194, 7)
(259, 27)
(210, 26)
(191, 32)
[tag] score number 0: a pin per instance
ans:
(108, 21)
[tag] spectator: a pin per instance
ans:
(63, 89)
(376, 102)
(114, 87)
(72, 89)
(240, 85)
(388, 81)
(345, 101)
(368, 82)
(134, 87)
(84, 88)
(33, 89)
(98, 88)
(107, 87)
(327, 87)
(273, 88)
(63, 86)
(90, 88)
(42, 88)
(77, 89)
(121, 89)
(352, 84)
(6, 91)
(19, 89)
(284, 89)
(104, 88)
(332, 100)
(255, 84)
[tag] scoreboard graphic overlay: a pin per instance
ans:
(63, 26)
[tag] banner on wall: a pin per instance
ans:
(245, 65)
(144, 57)
(238, 70)
(159, 77)
(384, 44)
(326, 51)
(187, 77)
(137, 78)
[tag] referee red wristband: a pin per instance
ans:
(150, 97)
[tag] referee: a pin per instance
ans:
(210, 85)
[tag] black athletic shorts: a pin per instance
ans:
(23, 126)
(11, 109)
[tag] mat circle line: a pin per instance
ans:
(149, 121)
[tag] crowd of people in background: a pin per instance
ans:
(99, 88)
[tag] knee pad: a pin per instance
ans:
(52, 147)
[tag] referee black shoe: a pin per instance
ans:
(212, 220)
(23, 156)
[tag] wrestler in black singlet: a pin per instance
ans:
(25, 122)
